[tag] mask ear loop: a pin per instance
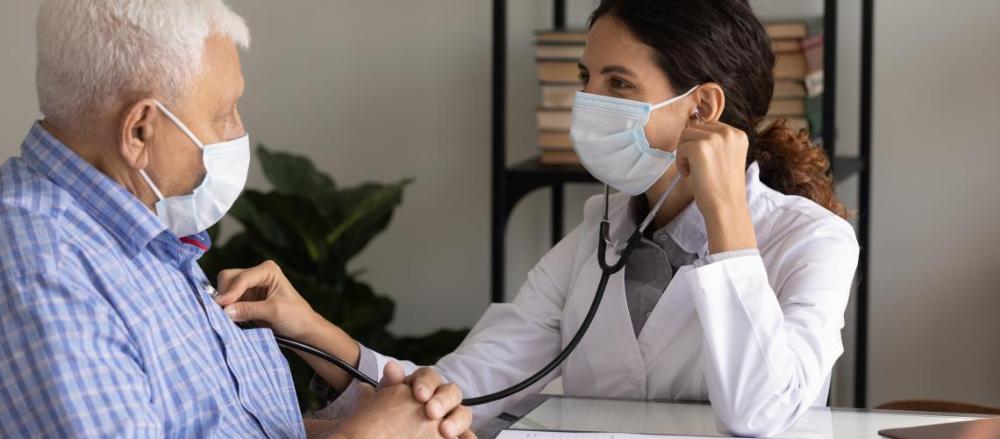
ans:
(185, 130)
(179, 124)
(674, 99)
(149, 181)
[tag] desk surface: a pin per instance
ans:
(557, 413)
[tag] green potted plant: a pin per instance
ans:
(312, 229)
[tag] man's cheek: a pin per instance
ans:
(199, 177)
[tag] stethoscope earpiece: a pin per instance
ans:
(696, 115)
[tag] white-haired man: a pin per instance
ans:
(108, 325)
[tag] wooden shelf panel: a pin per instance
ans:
(532, 173)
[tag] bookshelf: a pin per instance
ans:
(510, 183)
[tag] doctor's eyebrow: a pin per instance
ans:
(617, 69)
(620, 69)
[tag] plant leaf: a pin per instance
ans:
(284, 224)
(366, 219)
(361, 311)
(295, 174)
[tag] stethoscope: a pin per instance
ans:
(607, 270)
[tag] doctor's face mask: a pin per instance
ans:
(609, 137)
(627, 121)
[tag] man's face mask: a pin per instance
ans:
(226, 166)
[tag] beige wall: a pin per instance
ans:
(936, 249)
(385, 89)
(18, 106)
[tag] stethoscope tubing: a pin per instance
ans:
(607, 270)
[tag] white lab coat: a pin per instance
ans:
(757, 336)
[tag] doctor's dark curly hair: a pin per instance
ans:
(722, 41)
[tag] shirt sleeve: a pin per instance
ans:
(340, 405)
(69, 367)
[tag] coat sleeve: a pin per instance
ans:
(770, 344)
(510, 342)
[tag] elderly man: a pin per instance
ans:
(108, 327)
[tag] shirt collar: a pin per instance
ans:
(687, 229)
(132, 223)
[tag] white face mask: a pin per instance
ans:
(226, 167)
(608, 137)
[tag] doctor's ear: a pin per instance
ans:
(710, 101)
(136, 128)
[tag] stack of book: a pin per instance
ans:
(557, 54)
(798, 74)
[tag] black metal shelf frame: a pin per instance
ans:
(511, 183)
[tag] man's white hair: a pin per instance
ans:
(93, 53)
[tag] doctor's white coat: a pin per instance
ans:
(755, 335)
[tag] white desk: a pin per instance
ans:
(559, 413)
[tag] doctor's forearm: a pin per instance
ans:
(333, 340)
(729, 228)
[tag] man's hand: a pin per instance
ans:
(418, 406)
(441, 400)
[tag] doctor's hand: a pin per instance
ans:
(264, 295)
(713, 156)
(420, 405)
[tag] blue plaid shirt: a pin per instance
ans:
(105, 326)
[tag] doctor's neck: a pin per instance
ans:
(676, 202)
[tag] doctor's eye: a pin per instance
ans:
(620, 84)
(583, 77)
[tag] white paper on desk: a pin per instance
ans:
(531, 434)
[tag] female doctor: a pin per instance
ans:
(736, 292)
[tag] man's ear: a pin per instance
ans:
(710, 101)
(137, 128)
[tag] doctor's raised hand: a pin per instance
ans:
(400, 407)
(713, 157)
